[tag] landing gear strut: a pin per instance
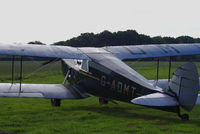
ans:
(103, 101)
(55, 102)
(183, 116)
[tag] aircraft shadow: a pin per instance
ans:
(132, 113)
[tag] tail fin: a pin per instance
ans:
(184, 85)
(182, 90)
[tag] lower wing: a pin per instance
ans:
(56, 91)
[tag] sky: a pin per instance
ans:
(49, 21)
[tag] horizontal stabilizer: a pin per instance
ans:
(163, 83)
(155, 99)
(57, 91)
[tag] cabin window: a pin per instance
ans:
(82, 65)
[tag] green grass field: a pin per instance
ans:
(36, 116)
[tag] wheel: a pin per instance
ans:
(55, 102)
(103, 101)
(185, 117)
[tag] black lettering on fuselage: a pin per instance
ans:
(118, 86)
(126, 89)
(133, 91)
(113, 85)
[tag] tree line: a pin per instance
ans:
(129, 37)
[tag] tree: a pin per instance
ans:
(158, 40)
(185, 39)
(197, 40)
(144, 39)
(36, 42)
(129, 37)
(169, 40)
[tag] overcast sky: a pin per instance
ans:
(57, 20)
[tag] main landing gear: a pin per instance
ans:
(103, 101)
(55, 102)
(183, 116)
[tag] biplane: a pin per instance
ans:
(101, 72)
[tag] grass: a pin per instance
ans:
(36, 116)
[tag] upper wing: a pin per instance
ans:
(151, 51)
(121, 52)
(49, 51)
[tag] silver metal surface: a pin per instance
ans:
(36, 90)
(150, 51)
(185, 84)
(156, 99)
(116, 65)
(121, 52)
(42, 51)
(163, 83)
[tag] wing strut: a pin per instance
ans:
(157, 68)
(13, 65)
(170, 60)
(67, 76)
(20, 88)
